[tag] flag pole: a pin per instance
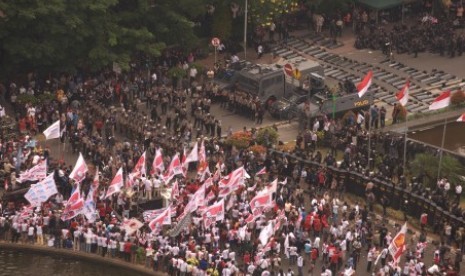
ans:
(442, 147)
(369, 130)
(405, 142)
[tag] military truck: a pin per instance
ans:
(284, 94)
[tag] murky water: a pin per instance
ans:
(454, 140)
(22, 263)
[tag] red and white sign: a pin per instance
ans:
(216, 42)
(397, 246)
(288, 70)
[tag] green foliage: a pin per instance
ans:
(177, 73)
(263, 12)
(222, 22)
(428, 164)
(59, 35)
(267, 136)
(332, 7)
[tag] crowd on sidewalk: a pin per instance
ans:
(276, 212)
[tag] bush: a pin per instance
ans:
(240, 140)
(457, 97)
(267, 136)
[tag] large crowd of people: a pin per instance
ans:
(307, 225)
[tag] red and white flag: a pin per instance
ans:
(266, 233)
(140, 168)
(235, 178)
(95, 184)
(38, 172)
(131, 225)
(397, 246)
(260, 202)
(74, 205)
(193, 156)
(116, 184)
(203, 164)
(442, 101)
(163, 219)
(53, 131)
(262, 171)
(196, 201)
(175, 191)
(213, 213)
(461, 118)
(403, 95)
(149, 215)
(271, 188)
(79, 170)
(364, 85)
(157, 164)
(174, 168)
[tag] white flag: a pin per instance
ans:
(266, 233)
(53, 131)
(80, 169)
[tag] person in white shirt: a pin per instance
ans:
(40, 234)
(30, 233)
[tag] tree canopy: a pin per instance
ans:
(64, 35)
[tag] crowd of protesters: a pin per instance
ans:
(112, 119)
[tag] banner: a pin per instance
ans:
(38, 172)
(397, 246)
(42, 191)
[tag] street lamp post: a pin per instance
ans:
(245, 29)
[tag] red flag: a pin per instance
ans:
(403, 95)
(116, 184)
(260, 202)
(442, 101)
(80, 169)
(363, 86)
(157, 164)
(262, 171)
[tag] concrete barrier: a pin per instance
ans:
(94, 258)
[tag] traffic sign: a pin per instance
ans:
(288, 70)
(216, 42)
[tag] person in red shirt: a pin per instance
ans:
(246, 260)
(334, 260)
(317, 225)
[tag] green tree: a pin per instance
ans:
(62, 36)
(428, 164)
